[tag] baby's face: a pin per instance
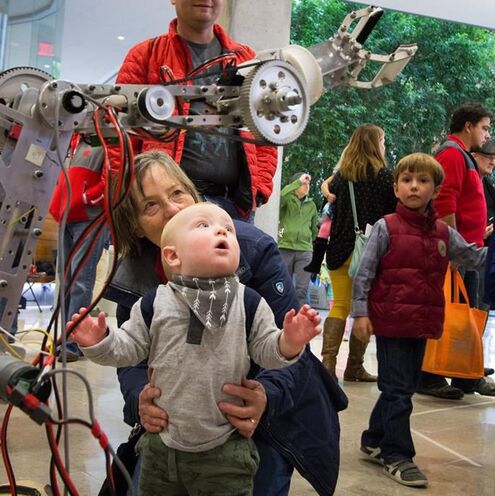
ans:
(206, 242)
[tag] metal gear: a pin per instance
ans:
(274, 103)
(14, 81)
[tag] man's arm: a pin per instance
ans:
(454, 166)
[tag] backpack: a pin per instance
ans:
(468, 158)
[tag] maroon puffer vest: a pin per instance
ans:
(406, 299)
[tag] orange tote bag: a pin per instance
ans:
(459, 352)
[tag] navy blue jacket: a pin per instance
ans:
(301, 420)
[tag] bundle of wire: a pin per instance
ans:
(120, 178)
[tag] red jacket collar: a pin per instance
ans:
(451, 137)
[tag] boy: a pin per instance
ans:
(398, 296)
(195, 334)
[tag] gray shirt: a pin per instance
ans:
(191, 376)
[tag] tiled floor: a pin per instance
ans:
(455, 440)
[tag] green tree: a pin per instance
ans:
(454, 64)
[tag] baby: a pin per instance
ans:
(198, 332)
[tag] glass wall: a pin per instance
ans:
(31, 34)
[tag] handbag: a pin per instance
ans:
(459, 351)
(361, 239)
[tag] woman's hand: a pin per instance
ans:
(152, 417)
(245, 418)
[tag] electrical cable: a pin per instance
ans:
(5, 453)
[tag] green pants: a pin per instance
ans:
(226, 470)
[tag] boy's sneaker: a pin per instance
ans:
(405, 472)
(372, 454)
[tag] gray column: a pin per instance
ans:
(261, 24)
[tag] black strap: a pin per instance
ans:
(251, 301)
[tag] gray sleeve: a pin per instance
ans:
(465, 254)
(263, 340)
(124, 347)
(376, 247)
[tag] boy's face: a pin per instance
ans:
(415, 190)
(205, 243)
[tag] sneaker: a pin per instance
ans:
(69, 357)
(405, 472)
(485, 387)
(442, 391)
(372, 454)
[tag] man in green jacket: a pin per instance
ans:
(297, 230)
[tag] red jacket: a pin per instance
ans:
(142, 66)
(87, 180)
(462, 194)
(406, 299)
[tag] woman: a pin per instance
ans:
(362, 163)
(287, 434)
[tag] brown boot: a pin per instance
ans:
(333, 330)
(354, 371)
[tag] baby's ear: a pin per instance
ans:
(170, 256)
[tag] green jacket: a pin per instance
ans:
(298, 219)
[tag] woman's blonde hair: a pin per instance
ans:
(363, 150)
(126, 220)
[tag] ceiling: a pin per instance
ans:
(91, 51)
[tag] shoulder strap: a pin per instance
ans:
(468, 159)
(147, 307)
(353, 205)
(251, 301)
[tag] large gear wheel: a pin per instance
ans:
(274, 103)
(14, 81)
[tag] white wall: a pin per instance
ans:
(91, 52)
(477, 12)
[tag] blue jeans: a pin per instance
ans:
(272, 478)
(82, 289)
(399, 369)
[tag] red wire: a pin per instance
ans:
(5, 454)
(60, 466)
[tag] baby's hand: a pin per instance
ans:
(89, 331)
(299, 330)
(362, 328)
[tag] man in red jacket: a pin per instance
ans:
(461, 204)
(87, 178)
(237, 176)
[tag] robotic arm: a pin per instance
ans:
(271, 96)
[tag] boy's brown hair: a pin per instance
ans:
(420, 162)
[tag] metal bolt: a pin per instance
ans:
(267, 100)
(38, 174)
(3, 283)
(37, 232)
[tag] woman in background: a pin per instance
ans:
(363, 164)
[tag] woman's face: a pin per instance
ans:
(162, 198)
(382, 145)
